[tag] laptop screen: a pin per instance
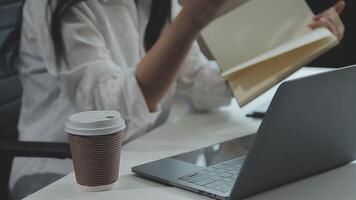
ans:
(218, 153)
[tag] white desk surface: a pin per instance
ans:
(188, 131)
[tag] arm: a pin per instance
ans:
(156, 72)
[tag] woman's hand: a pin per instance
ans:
(201, 12)
(331, 20)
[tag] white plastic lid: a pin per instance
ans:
(94, 123)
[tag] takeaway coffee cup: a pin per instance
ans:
(95, 142)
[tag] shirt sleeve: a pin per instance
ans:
(200, 83)
(93, 81)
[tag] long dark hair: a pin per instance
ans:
(160, 16)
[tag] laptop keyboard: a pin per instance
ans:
(220, 177)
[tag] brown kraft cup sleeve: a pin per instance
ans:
(96, 158)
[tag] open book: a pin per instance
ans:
(261, 42)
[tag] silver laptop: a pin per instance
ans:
(309, 128)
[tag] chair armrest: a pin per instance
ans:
(35, 149)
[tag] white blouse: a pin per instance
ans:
(104, 41)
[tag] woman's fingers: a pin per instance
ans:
(331, 20)
(340, 6)
(323, 22)
(327, 23)
(336, 21)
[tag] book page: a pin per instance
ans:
(254, 28)
(313, 36)
(253, 81)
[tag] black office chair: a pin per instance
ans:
(10, 103)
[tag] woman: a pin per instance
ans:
(124, 55)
